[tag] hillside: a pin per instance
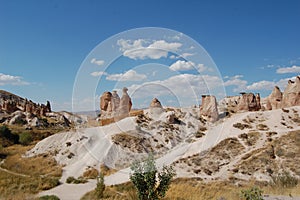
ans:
(244, 146)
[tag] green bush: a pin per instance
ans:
(100, 186)
(49, 197)
(25, 138)
(253, 193)
(284, 180)
(73, 180)
(151, 184)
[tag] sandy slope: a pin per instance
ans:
(92, 146)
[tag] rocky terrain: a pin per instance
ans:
(239, 139)
(15, 110)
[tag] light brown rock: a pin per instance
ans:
(291, 95)
(248, 102)
(209, 108)
(274, 100)
(104, 101)
(125, 104)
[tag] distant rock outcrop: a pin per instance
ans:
(10, 103)
(155, 107)
(125, 104)
(274, 100)
(209, 108)
(291, 95)
(249, 102)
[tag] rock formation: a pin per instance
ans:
(104, 101)
(155, 107)
(209, 108)
(274, 100)
(125, 104)
(115, 101)
(291, 95)
(10, 103)
(249, 102)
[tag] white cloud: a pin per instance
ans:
(186, 88)
(269, 85)
(236, 81)
(99, 73)
(185, 55)
(143, 49)
(6, 79)
(97, 62)
(285, 70)
(182, 65)
(130, 75)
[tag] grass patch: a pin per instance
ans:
(242, 126)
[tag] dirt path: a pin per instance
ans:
(11, 172)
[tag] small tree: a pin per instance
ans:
(151, 184)
(100, 186)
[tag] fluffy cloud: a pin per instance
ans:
(142, 49)
(6, 79)
(182, 65)
(285, 70)
(186, 88)
(236, 81)
(269, 85)
(99, 73)
(130, 75)
(97, 62)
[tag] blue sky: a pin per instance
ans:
(44, 44)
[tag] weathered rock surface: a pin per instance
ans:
(249, 102)
(125, 104)
(155, 108)
(274, 100)
(209, 108)
(104, 101)
(291, 95)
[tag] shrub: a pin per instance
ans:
(252, 194)
(91, 173)
(100, 186)
(73, 180)
(25, 138)
(151, 184)
(49, 197)
(285, 180)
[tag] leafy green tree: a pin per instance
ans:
(100, 186)
(151, 184)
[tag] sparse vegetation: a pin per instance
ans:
(72, 180)
(25, 138)
(49, 197)
(253, 193)
(284, 180)
(242, 126)
(100, 186)
(145, 176)
(262, 127)
(91, 173)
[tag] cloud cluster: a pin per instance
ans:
(286, 70)
(187, 88)
(98, 73)
(6, 79)
(182, 65)
(130, 75)
(143, 49)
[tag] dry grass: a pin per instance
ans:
(195, 189)
(26, 176)
(106, 171)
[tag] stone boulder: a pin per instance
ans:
(291, 95)
(249, 102)
(209, 108)
(274, 100)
